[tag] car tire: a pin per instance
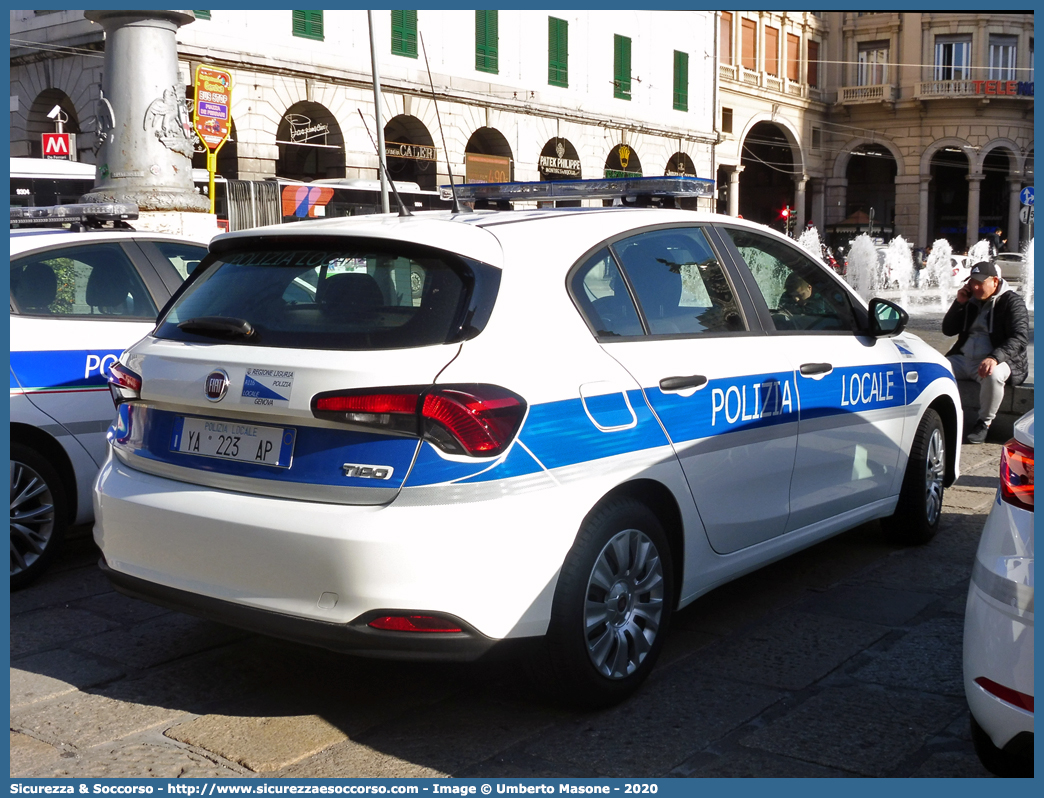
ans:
(38, 514)
(612, 605)
(1002, 762)
(916, 518)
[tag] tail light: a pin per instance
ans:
(476, 420)
(124, 384)
(1016, 474)
(414, 623)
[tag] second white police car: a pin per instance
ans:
(78, 299)
(420, 436)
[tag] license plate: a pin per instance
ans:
(233, 440)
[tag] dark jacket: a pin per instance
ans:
(1009, 329)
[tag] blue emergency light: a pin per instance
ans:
(609, 188)
(88, 214)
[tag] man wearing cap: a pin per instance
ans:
(991, 323)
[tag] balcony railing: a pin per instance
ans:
(751, 79)
(937, 89)
(853, 95)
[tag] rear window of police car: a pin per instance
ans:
(340, 296)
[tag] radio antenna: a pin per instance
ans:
(457, 207)
(403, 210)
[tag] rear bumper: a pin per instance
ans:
(998, 626)
(354, 637)
(265, 562)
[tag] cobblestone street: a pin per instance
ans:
(841, 660)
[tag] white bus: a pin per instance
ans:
(240, 204)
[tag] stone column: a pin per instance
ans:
(836, 199)
(922, 212)
(146, 153)
(799, 204)
(734, 177)
(1014, 228)
(818, 204)
(974, 186)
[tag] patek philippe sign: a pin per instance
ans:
(415, 152)
(559, 161)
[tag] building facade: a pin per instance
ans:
(917, 124)
(539, 96)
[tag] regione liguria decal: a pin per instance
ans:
(267, 387)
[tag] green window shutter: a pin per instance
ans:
(308, 24)
(557, 52)
(486, 41)
(202, 14)
(404, 33)
(681, 81)
(621, 67)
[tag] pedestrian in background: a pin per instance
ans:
(992, 325)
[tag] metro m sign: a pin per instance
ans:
(56, 146)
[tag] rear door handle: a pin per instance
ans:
(681, 383)
(812, 369)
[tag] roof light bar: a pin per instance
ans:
(609, 188)
(78, 213)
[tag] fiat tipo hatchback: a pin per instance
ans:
(420, 436)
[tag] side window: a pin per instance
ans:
(603, 297)
(680, 286)
(800, 295)
(93, 281)
(183, 257)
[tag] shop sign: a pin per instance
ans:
(618, 161)
(1011, 88)
(415, 152)
(680, 165)
(558, 166)
(486, 168)
(213, 99)
(303, 130)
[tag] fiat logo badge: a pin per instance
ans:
(216, 385)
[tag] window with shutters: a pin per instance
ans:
(404, 33)
(557, 52)
(621, 67)
(749, 44)
(793, 58)
(872, 67)
(1002, 57)
(202, 14)
(725, 38)
(952, 57)
(308, 24)
(813, 63)
(681, 81)
(771, 50)
(486, 39)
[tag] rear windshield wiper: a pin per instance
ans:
(219, 327)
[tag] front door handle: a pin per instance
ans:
(812, 369)
(681, 383)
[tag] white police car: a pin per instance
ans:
(416, 437)
(998, 621)
(78, 299)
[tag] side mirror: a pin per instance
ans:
(886, 318)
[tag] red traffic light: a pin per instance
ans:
(785, 213)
